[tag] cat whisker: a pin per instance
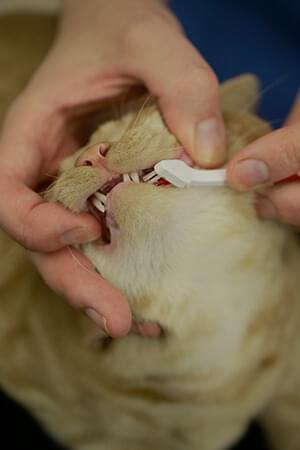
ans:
(135, 121)
(74, 257)
(267, 89)
(140, 112)
(131, 128)
(165, 149)
(50, 175)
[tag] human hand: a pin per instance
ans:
(97, 55)
(266, 162)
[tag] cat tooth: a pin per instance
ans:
(126, 177)
(149, 176)
(134, 177)
(101, 197)
(99, 205)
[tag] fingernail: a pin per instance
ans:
(209, 145)
(265, 208)
(251, 173)
(98, 319)
(78, 235)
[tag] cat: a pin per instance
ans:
(222, 284)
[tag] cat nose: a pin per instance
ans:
(93, 156)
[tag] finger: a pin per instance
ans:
(294, 115)
(72, 275)
(186, 88)
(34, 223)
(38, 225)
(269, 159)
(146, 329)
(281, 203)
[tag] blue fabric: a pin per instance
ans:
(258, 36)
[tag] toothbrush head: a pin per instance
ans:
(179, 174)
(175, 171)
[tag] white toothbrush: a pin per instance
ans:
(179, 174)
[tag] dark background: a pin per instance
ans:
(19, 431)
(257, 36)
(235, 36)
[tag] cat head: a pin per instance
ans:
(162, 246)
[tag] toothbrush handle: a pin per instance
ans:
(215, 177)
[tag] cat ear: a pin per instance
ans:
(240, 94)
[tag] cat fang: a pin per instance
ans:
(150, 176)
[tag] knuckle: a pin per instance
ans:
(209, 80)
(27, 239)
(196, 82)
(203, 81)
(146, 28)
(140, 29)
(32, 235)
(30, 239)
(203, 76)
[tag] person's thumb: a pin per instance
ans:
(187, 91)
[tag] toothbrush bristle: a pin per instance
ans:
(154, 179)
(149, 176)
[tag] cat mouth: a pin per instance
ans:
(97, 203)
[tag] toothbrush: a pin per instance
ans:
(179, 174)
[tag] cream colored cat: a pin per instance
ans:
(222, 284)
